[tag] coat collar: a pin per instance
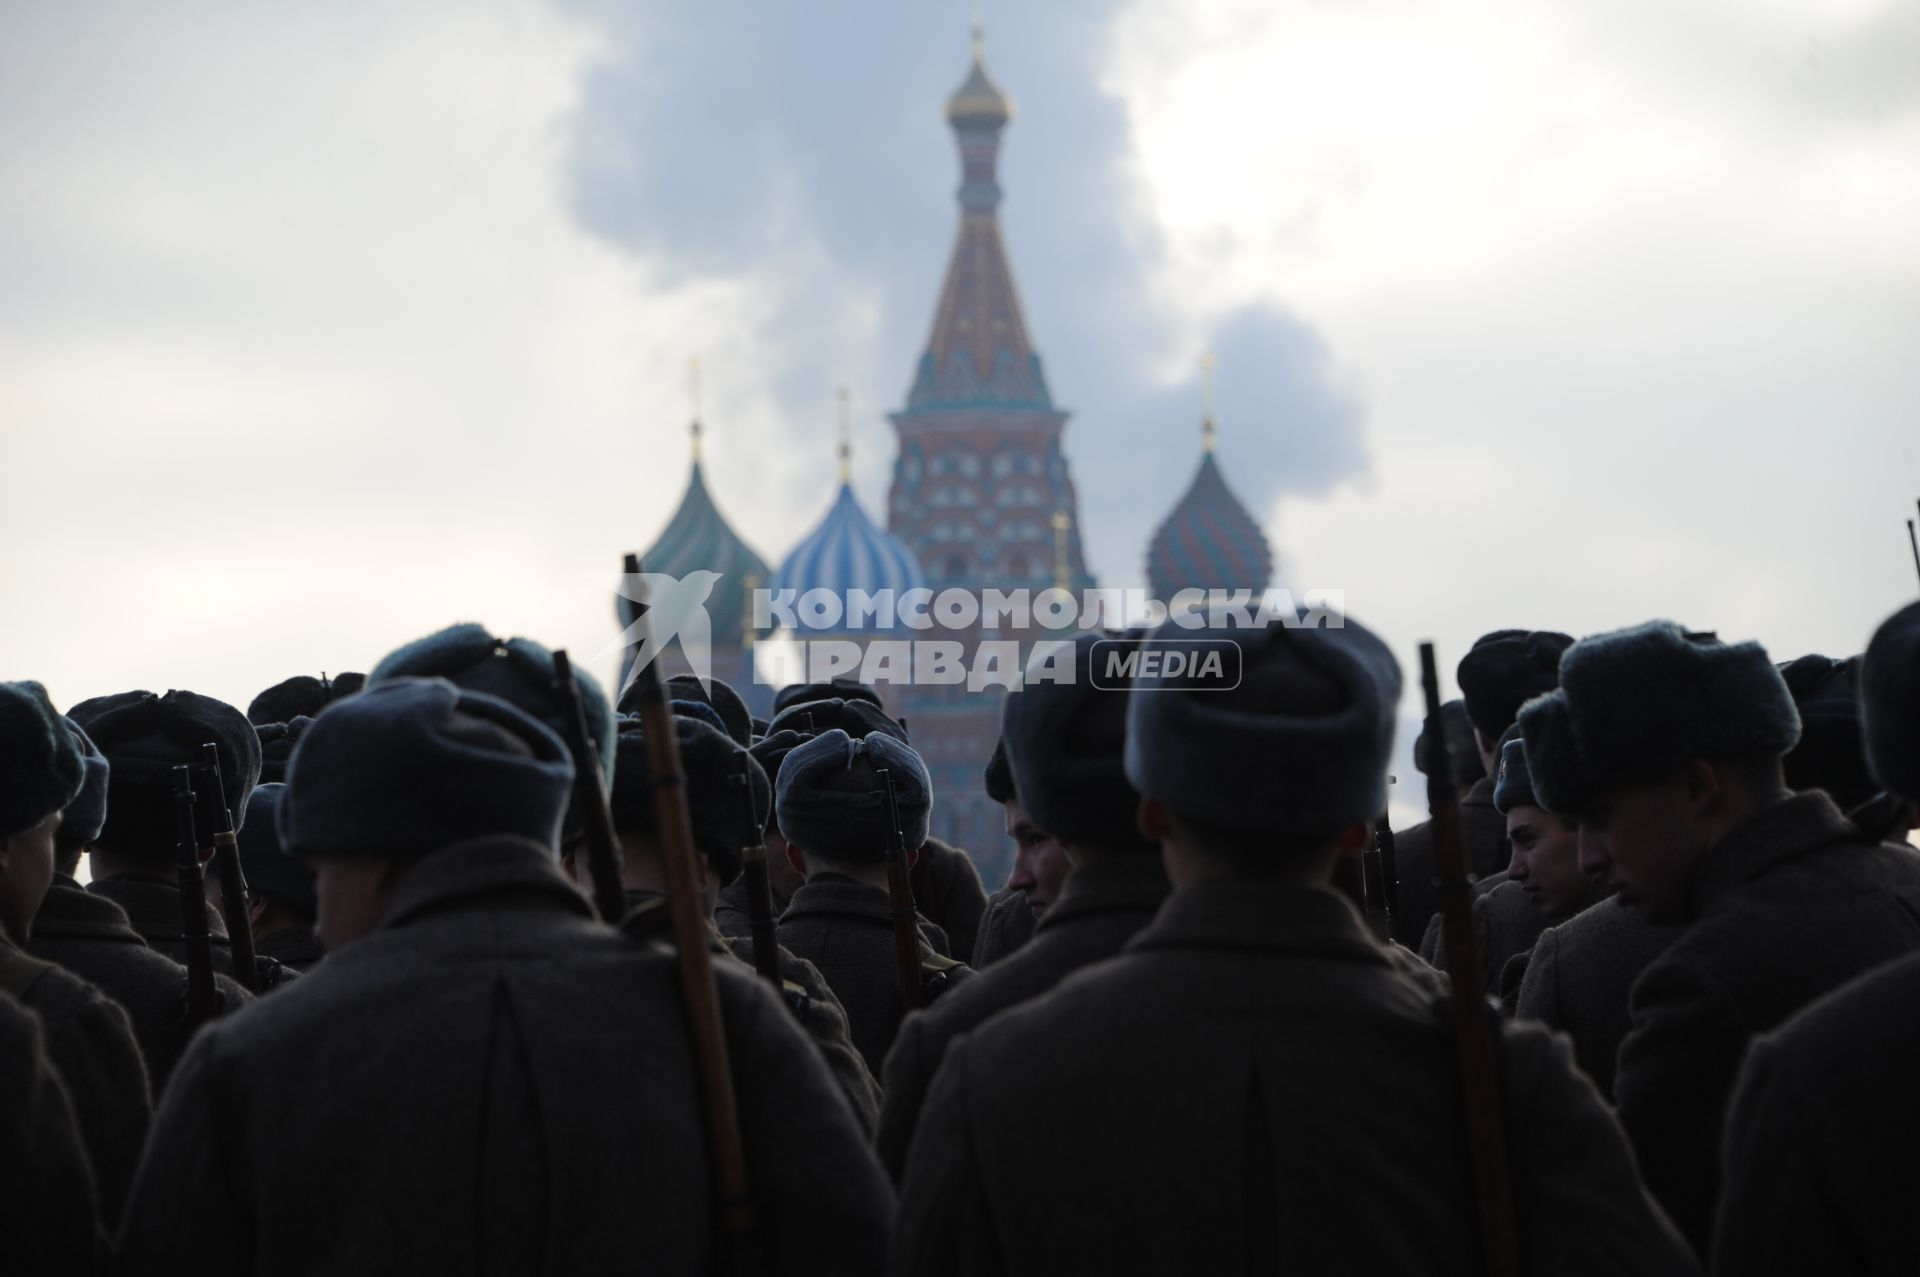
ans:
(831, 893)
(70, 910)
(502, 867)
(1227, 913)
(1125, 882)
(152, 904)
(1786, 830)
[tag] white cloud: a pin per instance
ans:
(1629, 298)
(302, 356)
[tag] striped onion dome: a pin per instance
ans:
(848, 551)
(699, 537)
(1208, 542)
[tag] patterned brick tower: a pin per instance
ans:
(981, 492)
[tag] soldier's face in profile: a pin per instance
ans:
(1642, 840)
(1546, 859)
(1040, 864)
(26, 870)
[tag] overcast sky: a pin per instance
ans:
(323, 325)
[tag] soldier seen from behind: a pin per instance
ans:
(1666, 745)
(833, 808)
(537, 1062)
(90, 935)
(1251, 1086)
(732, 912)
(87, 1035)
(1065, 742)
(144, 737)
(725, 821)
(281, 907)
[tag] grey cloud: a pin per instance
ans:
(730, 136)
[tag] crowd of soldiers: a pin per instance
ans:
(1178, 1039)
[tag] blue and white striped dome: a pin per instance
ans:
(847, 552)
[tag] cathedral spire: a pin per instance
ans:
(979, 355)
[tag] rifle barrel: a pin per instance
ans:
(203, 1000)
(691, 931)
(233, 875)
(753, 868)
(603, 847)
(1472, 1027)
(906, 927)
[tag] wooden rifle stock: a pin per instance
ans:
(692, 929)
(233, 877)
(753, 868)
(203, 1000)
(1472, 1029)
(603, 847)
(906, 925)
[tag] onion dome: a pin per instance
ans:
(979, 100)
(848, 552)
(697, 538)
(1209, 541)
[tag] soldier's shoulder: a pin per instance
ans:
(1869, 1019)
(56, 994)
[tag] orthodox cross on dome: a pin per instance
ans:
(693, 397)
(1208, 431)
(846, 434)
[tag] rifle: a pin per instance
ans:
(1373, 887)
(906, 929)
(1913, 541)
(603, 847)
(753, 867)
(1389, 858)
(233, 877)
(203, 1000)
(1472, 1030)
(691, 931)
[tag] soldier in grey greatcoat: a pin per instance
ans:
(1667, 746)
(1416, 919)
(1501, 671)
(732, 913)
(87, 1034)
(144, 737)
(833, 808)
(49, 1221)
(1251, 1087)
(1578, 973)
(89, 935)
(280, 901)
(946, 887)
(1040, 871)
(1819, 1156)
(725, 822)
(1065, 742)
(509, 1085)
